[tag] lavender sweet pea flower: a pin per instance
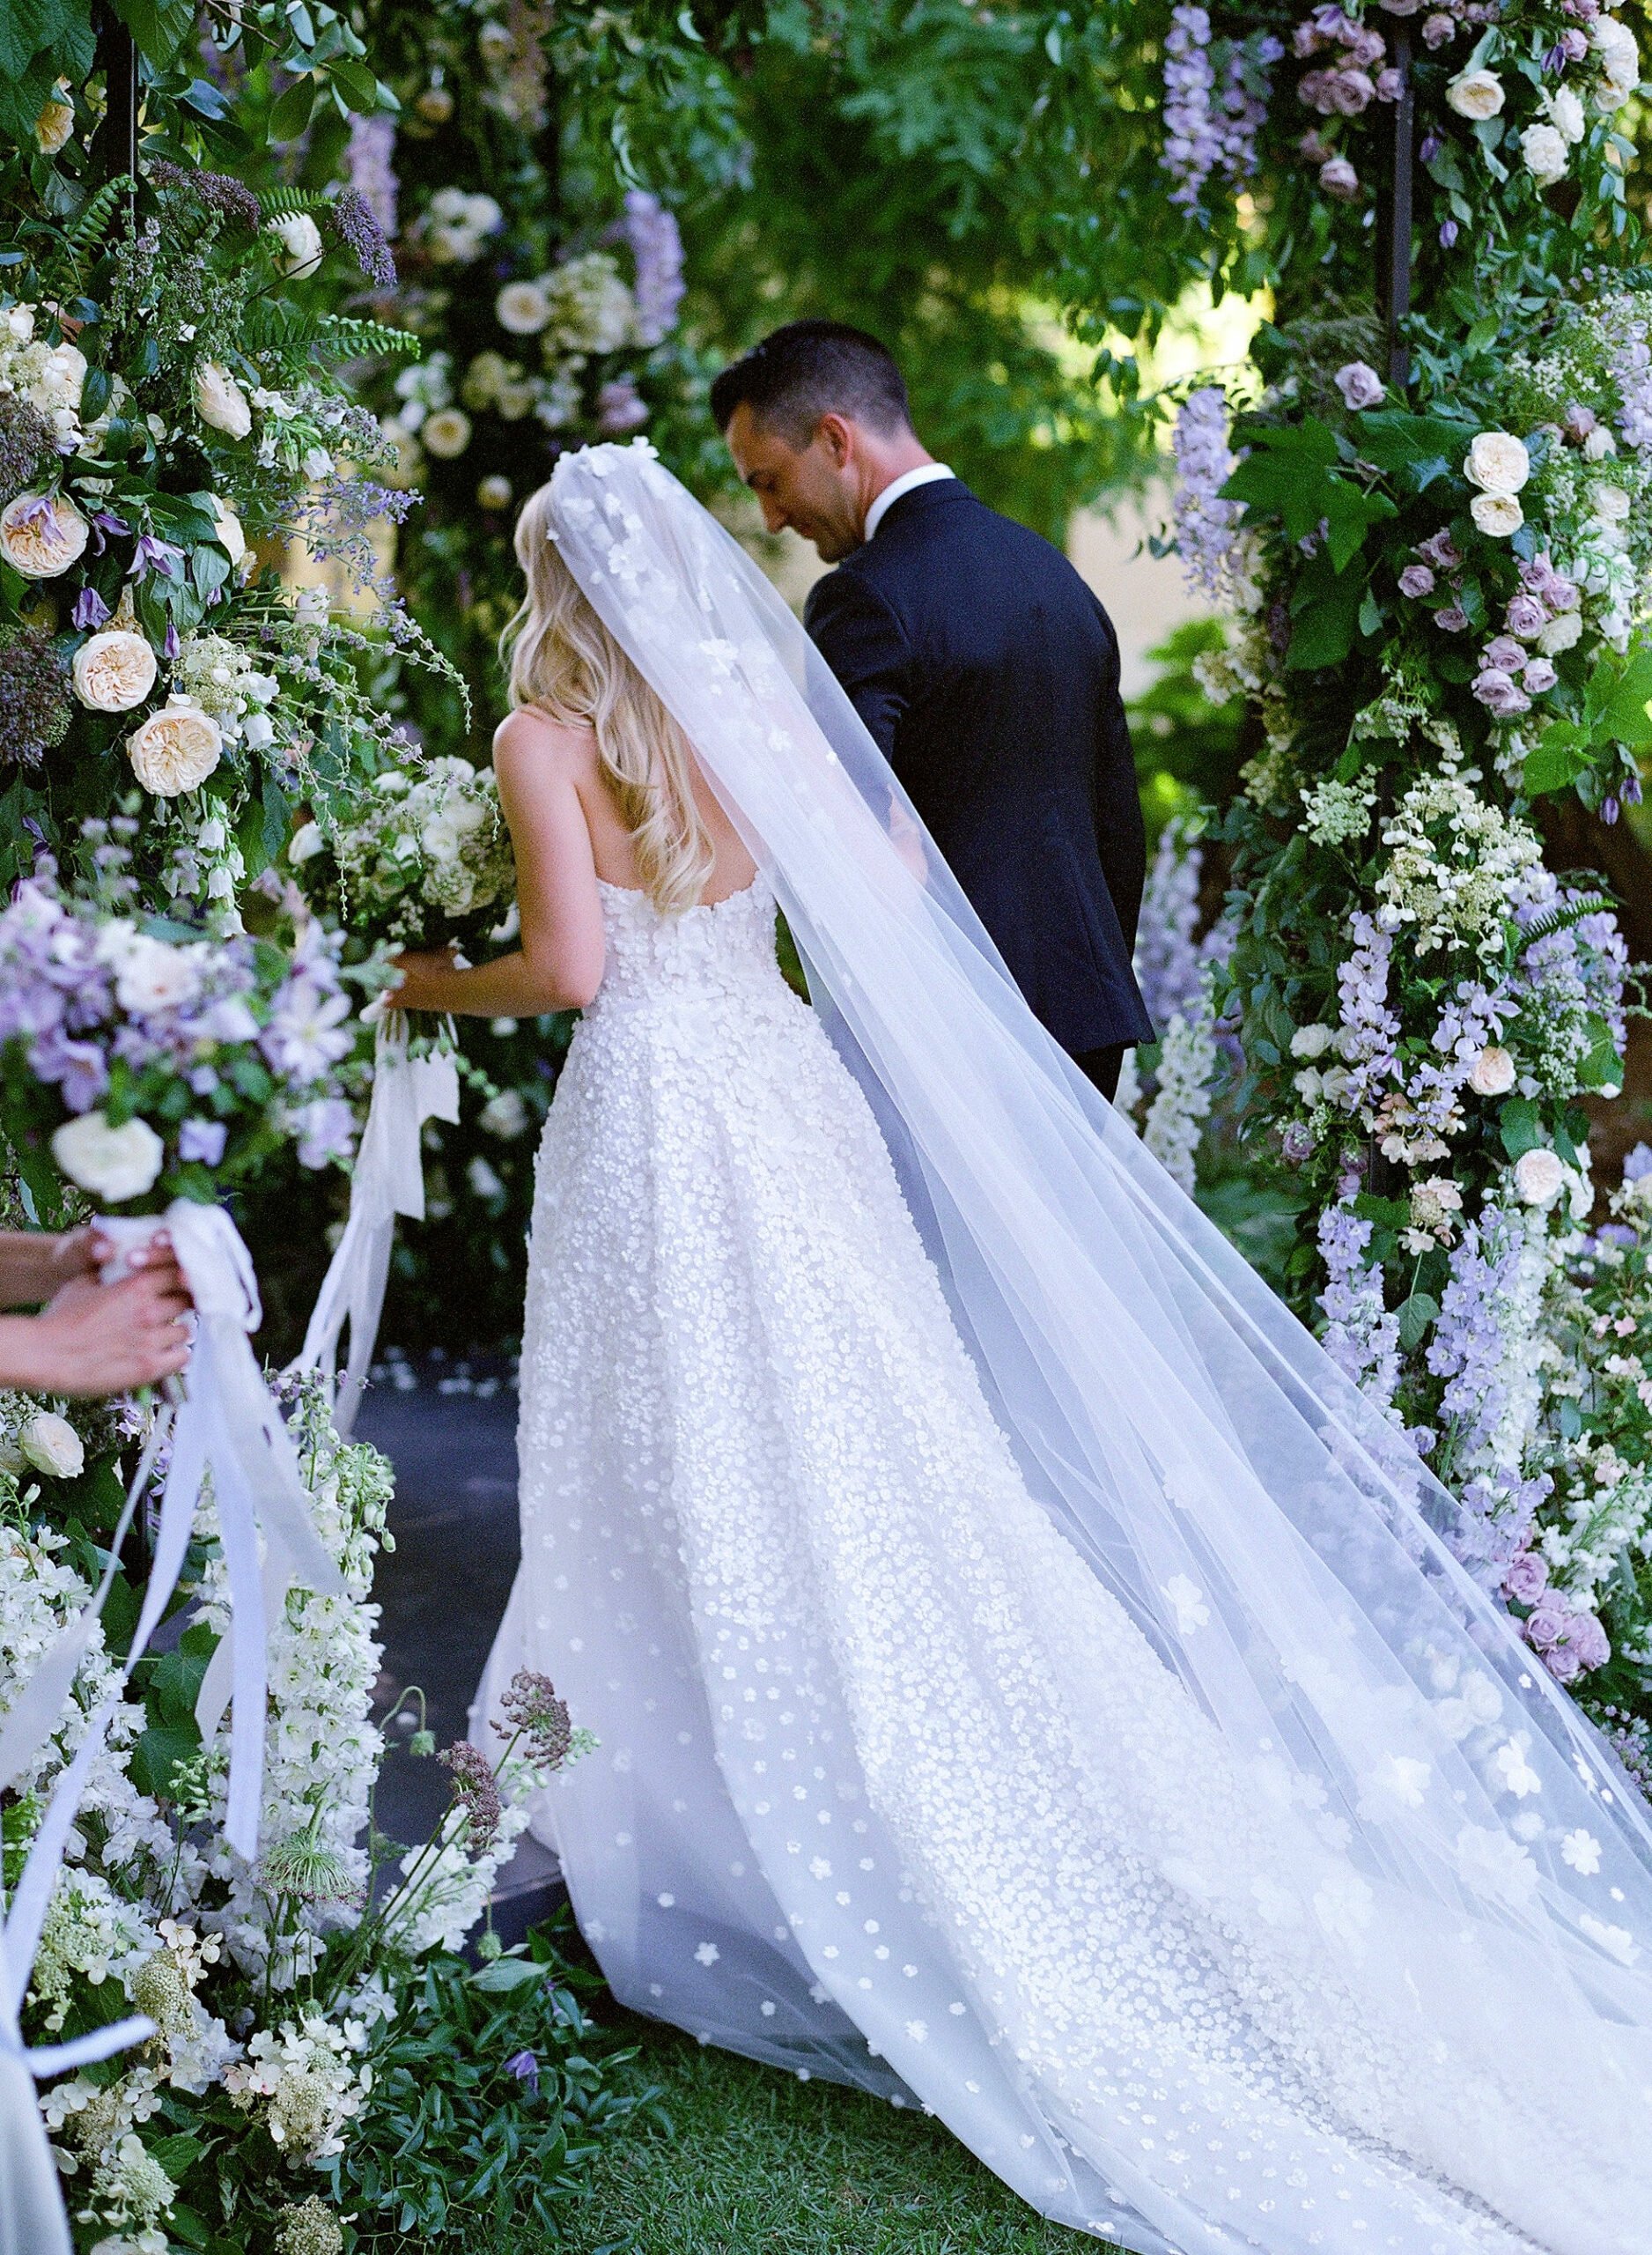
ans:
(326, 1130)
(1639, 1162)
(90, 611)
(77, 1068)
(1416, 579)
(106, 526)
(202, 1140)
(156, 556)
(1500, 693)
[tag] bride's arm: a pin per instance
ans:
(559, 964)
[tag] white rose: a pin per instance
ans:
(1566, 113)
(1544, 148)
(1492, 1073)
(1311, 1041)
(114, 670)
(1497, 513)
(113, 1163)
(1619, 62)
(1561, 634)
(52, 1445)
(1497, 462)
(220, 402)
(445, 433)
(1599, 443)
(522, 307)
(155, 977)
(300, 240)
(41, 535)
(174, 750)
(231, 537)
(1609, 502)
(1538, 1176)
(63, 376)
(18, 323)
(1476, 93)
(305, 844)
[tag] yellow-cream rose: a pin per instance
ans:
(1497, 462)
(41, 535)
(445, 433)
(1497, 513)
(55, 124)
(174, 750)
(1476, 93)
(114, 670)
(220, 402)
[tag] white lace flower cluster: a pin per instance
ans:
(50, 377)
(305, 2080)
(1454, 861)
(424, 845)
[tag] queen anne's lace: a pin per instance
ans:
(891, 1787)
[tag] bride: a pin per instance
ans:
(1031, 1682)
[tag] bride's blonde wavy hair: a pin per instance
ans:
(563, 660)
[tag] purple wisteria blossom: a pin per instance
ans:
(1168, 965)
(1205, 523)
(367, 165)
(656, 249)
(1203, 133)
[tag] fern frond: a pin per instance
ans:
(364, 340)
(282, 203)
(61, 270)
(1561, 919)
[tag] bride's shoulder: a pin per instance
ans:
(529, 738)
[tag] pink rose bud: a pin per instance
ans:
(1416, 579)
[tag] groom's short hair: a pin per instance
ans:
(811, 368)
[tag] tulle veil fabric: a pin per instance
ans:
(1452, 1835)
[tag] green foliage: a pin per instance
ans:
(459, 2146)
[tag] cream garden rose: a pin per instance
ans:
(1498, 514)
(52, 1445)
(1497, 462)
(523, 308)
(1544, 148)
(220, 402)
(114, 670)
(55, 123)
(1613, 43)
(41, 535)
(302, 249)
(1562, 634)
(1493, 1072)
(445, 433)
(113, 1163)
(1476, 93)
(1540, 1176)
(176, 749)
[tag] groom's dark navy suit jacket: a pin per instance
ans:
(989, 675)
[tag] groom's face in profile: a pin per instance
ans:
(818, 489)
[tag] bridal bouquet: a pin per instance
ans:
(142, 1065)
(424, 857)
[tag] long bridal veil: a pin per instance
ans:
(1454, 1842)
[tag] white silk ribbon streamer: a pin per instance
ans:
(227, 1423)
(388, 1181)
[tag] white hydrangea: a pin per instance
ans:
(1454, 864)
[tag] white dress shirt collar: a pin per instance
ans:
(927, 473)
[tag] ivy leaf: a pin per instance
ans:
(1518, 1125)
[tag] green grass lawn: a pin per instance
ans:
(758, 2163)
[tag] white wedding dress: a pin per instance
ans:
(890, 1788)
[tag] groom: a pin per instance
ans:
(977, 658)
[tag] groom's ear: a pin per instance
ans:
(836, 434)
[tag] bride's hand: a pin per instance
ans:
(420, 970)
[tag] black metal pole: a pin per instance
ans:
(1394, 216)
(117, 151)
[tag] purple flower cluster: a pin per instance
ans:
(1631, 366)
(1202, 134)
(1571, 1639)
(81, 992)
(1357, 75)
(1205, 522)
(1471, 1021)
(27, 445)
(367, 164)
(1360, 1335)
(1577, 973)
(533, 1711)
(1369, 1047)
(35, 706)
(476, 1792)
(358, 226)
(656, 249)
(1169, 961)
(1442, 23)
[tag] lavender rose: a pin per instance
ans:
(1501, 694)
(1527, 1578)
(1416, 579)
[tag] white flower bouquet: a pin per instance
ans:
(140, 1066)
(423, 857)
